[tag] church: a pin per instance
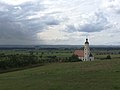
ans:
(84, 55)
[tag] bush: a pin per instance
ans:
(108, 57)
(74, 58)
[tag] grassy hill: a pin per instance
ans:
(95, 75)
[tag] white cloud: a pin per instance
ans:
(15, 2)
(111, 6)
(52, 33)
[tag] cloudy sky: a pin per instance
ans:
(59, 22)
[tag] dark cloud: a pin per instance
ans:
(13, 32)
(16, 27)
(49, 20)
(98, 24)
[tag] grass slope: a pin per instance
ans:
(96, 75)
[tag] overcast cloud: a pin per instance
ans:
(59, 22)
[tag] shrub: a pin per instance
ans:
(74, 58)
(108, 57)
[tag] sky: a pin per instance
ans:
(59, 22)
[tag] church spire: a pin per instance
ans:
(86, 41)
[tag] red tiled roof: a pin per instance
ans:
(79, 53)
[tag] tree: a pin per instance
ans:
(108, 57)
(74, 58)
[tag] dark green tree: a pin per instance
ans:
(74, 58)
(108, 57)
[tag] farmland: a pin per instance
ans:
(20, 58)
(54, 70)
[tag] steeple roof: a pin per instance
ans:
(90, 55)
(86, 41)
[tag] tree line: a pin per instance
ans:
(23, 60)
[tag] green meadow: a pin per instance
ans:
(95, 75)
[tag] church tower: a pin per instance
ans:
(86, 51)
(84, 55)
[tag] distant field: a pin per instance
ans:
(95, 75)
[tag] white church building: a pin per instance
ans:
(85, 55)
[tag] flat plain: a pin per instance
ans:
(95, 75)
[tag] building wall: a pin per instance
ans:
(91, 58)
(86, 52)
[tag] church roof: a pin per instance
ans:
(90, 55)
(79, 53)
